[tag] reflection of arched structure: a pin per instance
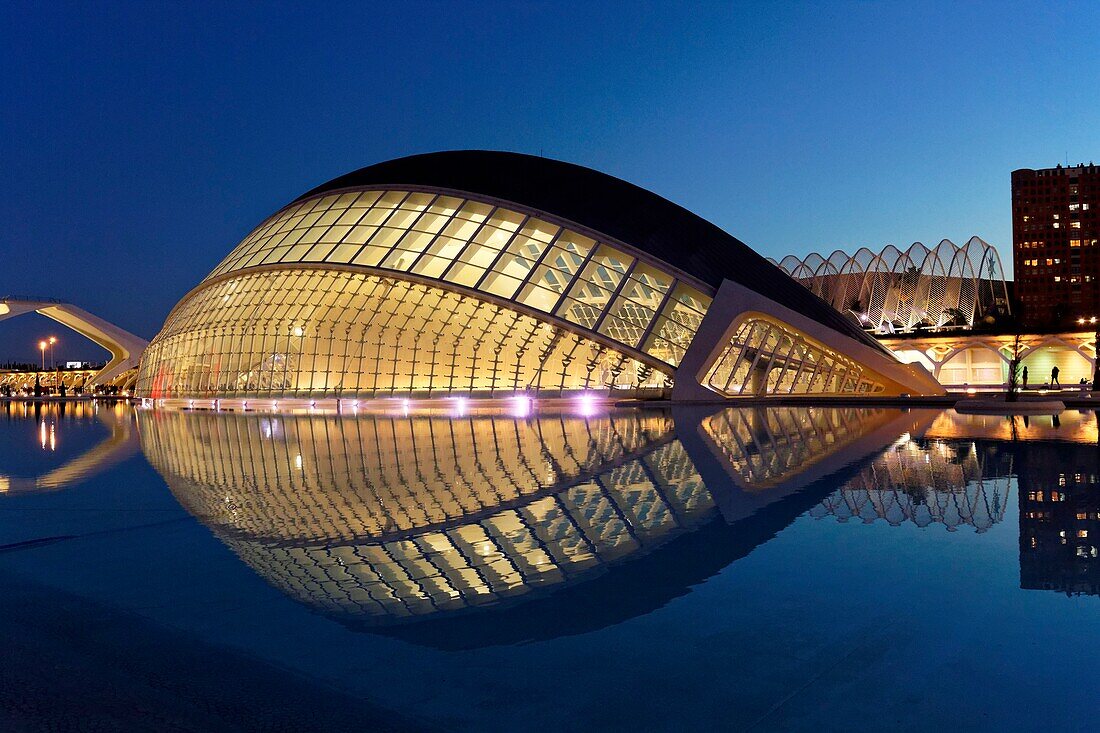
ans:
(384, 518)
(126, 348)
(112, 450)
(926, 482)
(900, 291)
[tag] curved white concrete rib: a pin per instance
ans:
(126, 348)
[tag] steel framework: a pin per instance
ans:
(899, 291)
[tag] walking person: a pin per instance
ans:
(1054, 377)
(1025, 377)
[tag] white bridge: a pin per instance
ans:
(125, 347)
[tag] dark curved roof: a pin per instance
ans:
(608, 205)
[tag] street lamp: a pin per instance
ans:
(53, 364)
(42, 348)
(1092, 320)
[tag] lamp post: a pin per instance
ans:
(42, 348)
(1092, 320)
(53, 340)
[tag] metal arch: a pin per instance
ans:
(853, 274)
(963, 269)
(918, 287)
(881, 287)
(125, 348)
(788, 264)
(825, 278)
(918, 291)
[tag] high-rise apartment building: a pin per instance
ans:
(1056, 258)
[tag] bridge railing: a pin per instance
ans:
(31, 299)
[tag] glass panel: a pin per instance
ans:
(343, 253)
(539, 298)
(551, 279)
(501, 285)
(370, 255)
(474, 211)
(445, 237)
(465, 274)
(328, 333)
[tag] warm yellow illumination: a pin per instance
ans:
(764, 357)
(490, 249)
(368, 335)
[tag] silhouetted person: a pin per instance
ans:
(1054, 377)
(1025, 377)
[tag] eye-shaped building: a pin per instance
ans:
(488, 274)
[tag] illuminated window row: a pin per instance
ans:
(313, 333)
(491, 249)
(766, 358)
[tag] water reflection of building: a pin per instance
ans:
(394, 518)
(404, 517)
(1056, 461)
(927, 482)
(51, 419)
(1060, 518)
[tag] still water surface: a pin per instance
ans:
(741, 569)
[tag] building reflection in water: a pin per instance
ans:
(51, 419)
(1060, 519)
(957, 484)
(564, 523)
(1057, 467)
(959, 474)
(395, 518)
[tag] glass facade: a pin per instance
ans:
(506, 253)
(765, 357)
(311, 333)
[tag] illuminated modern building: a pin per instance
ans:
(486, 273)
(1055, 229)
(901, 291)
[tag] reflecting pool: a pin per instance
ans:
(781, 568)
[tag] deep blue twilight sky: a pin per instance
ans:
(139, 142)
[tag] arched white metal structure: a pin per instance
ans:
(126, 348)
(896, 291)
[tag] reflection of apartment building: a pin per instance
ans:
(1055, 230)
(1060, 518)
